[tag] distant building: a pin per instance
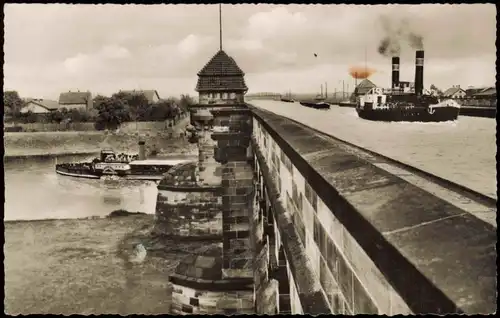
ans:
(455, 92)
(363, 87)
(39, 106)
(76, 100)
(221, 81)
(487, 93)
(151, 95)
(471, 91)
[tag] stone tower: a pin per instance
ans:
(221, 81)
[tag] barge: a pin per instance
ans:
(316, 104)
(122, 166)
(402, 104)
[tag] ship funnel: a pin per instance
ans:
(419, 72)
(142, 150)
(395, 72)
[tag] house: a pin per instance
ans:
(221, 81)
(471, 91)
(455, 92)
(363, 87)
(151, 95)
(76, 100)
(39, 106)
(487, 93)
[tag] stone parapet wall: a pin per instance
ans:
(369, 236)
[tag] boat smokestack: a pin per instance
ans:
(142, 150)
(419, 72)
(395, 72)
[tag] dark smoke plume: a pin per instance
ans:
(389, 46)
(395, 33)
(416, 41)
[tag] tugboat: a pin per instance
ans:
(402, 104)
(121, 166)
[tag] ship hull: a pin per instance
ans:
(316, 105)
(415, 114)
(287, 100)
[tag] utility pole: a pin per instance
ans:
(343, 90)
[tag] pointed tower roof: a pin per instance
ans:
(221, 73)
(221, 64)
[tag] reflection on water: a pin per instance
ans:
(34, 191)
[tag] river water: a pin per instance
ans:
(462, 151)
(34, 191)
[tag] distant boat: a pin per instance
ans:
(317, 103)
(113, 166)
(288, 98)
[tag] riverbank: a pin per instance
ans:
(25, 144)
(87, 266)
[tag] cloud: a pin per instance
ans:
(106, 59)
(192, 44)
(103, 47)
(276, 22)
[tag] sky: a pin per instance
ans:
(51, 48)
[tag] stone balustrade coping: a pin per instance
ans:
(438, 258)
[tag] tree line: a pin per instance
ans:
(107, 113)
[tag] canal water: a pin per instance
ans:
(33, 191)
(462, 151)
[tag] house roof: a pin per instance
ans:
(70, 98)
(45, 103)
(221, 83)
(149, 94)
(221, 64)
(451, 91)
(474, 90)
(364, 86)
(490, 91)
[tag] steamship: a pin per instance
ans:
(402, 103)
(118, 166)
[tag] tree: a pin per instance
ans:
(111, 111)
(55, 116)
(185, 102)
(437, 90)
(12, 101)
(137, 103)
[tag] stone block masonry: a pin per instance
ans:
(368, 236)
(237, 209)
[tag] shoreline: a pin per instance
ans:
(49, 155)
(23, 145)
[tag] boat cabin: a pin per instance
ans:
(107, 154)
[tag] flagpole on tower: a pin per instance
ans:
(220, 26)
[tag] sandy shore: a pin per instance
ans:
(86, 266)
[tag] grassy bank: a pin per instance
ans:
(86, 267)
(57, 142)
